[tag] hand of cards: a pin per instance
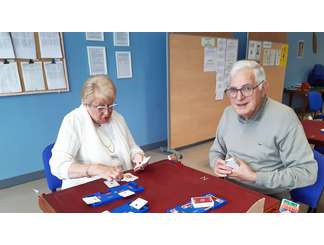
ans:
(231, 162)
(142, 164)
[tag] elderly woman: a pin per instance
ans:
(94, 140)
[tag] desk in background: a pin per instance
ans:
(166, 184)
(302, 93)
(312, 131)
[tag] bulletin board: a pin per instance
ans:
(193, 112)
(275, 74)
(37, 67)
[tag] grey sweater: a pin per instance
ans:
(272, 143)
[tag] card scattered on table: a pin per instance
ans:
(138, 203)
(288, 206)
(91, 200)
(111, 183)
(202, 202)
(126, 193)
(129, 177)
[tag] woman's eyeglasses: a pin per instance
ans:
(103, 108)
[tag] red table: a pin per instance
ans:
(312, 131)
(166, 184)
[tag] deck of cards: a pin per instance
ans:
(142, 164)
(202, 202)
(230, 162)
(128, 177)
(288, 206)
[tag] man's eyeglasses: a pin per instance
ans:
(103, 108)
(246, 90)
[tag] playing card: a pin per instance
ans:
(126, 193)
(129, 177)
(111, 183)
(288, 206)
(142, 164)
(231, 163)
(91, 200)
(138, 203)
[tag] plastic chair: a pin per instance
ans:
(311, 195)
(52, 181)
(315, 104)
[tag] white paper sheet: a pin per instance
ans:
(50, 45)
(220, 55)
(254, 52)
(231, 57)
(266, 57)
(227, 50)
(33, 76)
(267, 44)
(121, 38)
(272, 57)
(210, 59)
(9, 78)
(55, 75)
(220, 86)
(208, 42)
(278, 55)
(24, 45)
(124, 64)
(95, 36)
(97, 60)
(6, 48)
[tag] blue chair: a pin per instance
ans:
(315, 104)
(52, 181)
(311, 195)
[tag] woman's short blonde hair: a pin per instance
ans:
(97, 87)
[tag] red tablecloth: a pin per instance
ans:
(166, 184)
(312, 131)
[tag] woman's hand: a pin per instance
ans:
(138, 158)
(105, 172)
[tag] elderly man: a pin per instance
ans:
(264, 136)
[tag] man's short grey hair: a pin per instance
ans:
(257, 69)
(97, 87)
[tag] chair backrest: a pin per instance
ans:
(52, 181)
(311, 195)
(315, 101)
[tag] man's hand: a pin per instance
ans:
(244, 172)
(221, 170)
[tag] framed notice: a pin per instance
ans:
(124, 64)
